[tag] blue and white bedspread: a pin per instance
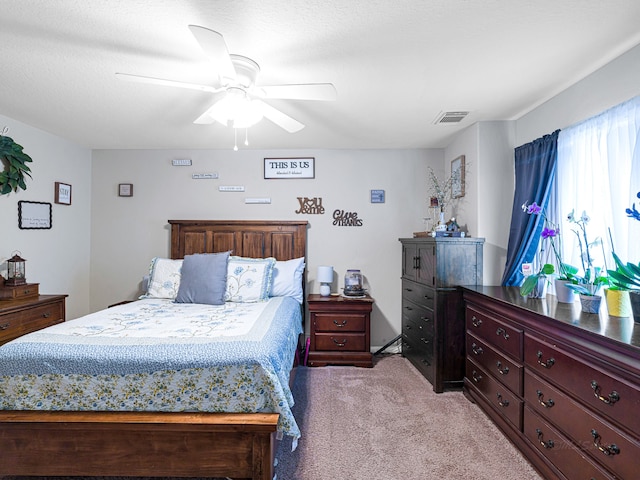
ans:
(160, 356)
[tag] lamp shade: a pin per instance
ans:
(325, 274)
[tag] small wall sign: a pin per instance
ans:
(125, 190)
(34, 215)
(346, 219)
(310, 206)
(377, 196)
(62, 193)
(289, 167)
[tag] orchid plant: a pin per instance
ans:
(593, 276)
(627, 276)
(550, 232)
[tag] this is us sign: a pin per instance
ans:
(303, 167)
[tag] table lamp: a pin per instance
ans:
(325, 279)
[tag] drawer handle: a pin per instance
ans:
(46, 314)
(545, 403)
(610, 400)
(476, 376)
(476, 349)
(502, 332)
(425, 319)
(340, 325)
(339, 343)
(476, 322)
(26, 291)
(408, 308)
(425, 341)
(548, 364)
(607, 450)
(502, 371)
(548, 444)
(501, 402)
(4, 326)
(426, 362)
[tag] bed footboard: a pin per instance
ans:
(234, 445)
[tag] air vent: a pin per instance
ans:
(448, 118)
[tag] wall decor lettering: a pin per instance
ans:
(34, 215)
(346, 219)
(310, 206)
(303, 167)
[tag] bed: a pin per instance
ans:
(160, 443)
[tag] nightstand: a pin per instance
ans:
(28, 314)
(340, 332)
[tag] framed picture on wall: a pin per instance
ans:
(125, 190)
(457, 177)
(62, 193)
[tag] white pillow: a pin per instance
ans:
(287, 279)
(249, 279)
(164, 278)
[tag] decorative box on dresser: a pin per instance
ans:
(564, 386)
(28, 313)
(432, 306)
(340, 330)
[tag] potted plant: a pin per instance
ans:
(626, 277)
(588, 286)
(566, 273)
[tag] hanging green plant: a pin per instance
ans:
(14, 162)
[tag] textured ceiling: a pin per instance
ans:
(396, 64)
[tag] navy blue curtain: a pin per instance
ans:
(535, 165)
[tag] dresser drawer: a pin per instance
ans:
(418, 294)
(606, 394)
(420, 355)
(605, 443)
(339, 322)
(353, 342)
(20, 291)
(495, 332)
(421, 317)
(505, 370)
(559, 450)
(18, 323)
(501, 398)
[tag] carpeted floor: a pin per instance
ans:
(386, 423)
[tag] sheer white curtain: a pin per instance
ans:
(599, 172)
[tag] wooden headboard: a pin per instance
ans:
(283, 240)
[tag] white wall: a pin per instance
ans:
(57, 258)
(127, 232)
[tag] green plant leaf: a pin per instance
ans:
(528, 285)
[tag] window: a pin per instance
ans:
(599, 172)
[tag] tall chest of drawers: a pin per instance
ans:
(28, 314)
(564, 386)
(432, 307)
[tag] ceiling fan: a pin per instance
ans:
(241, 102)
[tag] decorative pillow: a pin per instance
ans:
(203, 278)
(287, 279)
(249, 279)
(164, 278)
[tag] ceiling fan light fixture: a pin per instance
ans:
(236, 110)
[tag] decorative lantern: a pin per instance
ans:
(15, 271)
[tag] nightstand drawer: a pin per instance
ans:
(335, 322)
(332, 342)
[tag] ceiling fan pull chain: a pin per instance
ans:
(235, 139)
(246, 137)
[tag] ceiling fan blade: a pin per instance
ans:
(281, 119)
(214, 46)
(306, 91)
(167, 83)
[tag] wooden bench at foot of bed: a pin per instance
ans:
(35, 443)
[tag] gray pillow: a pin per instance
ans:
(203, 278)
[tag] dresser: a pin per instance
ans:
(340, 330)
(563, 385)
(433, 329)
(29, 313)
